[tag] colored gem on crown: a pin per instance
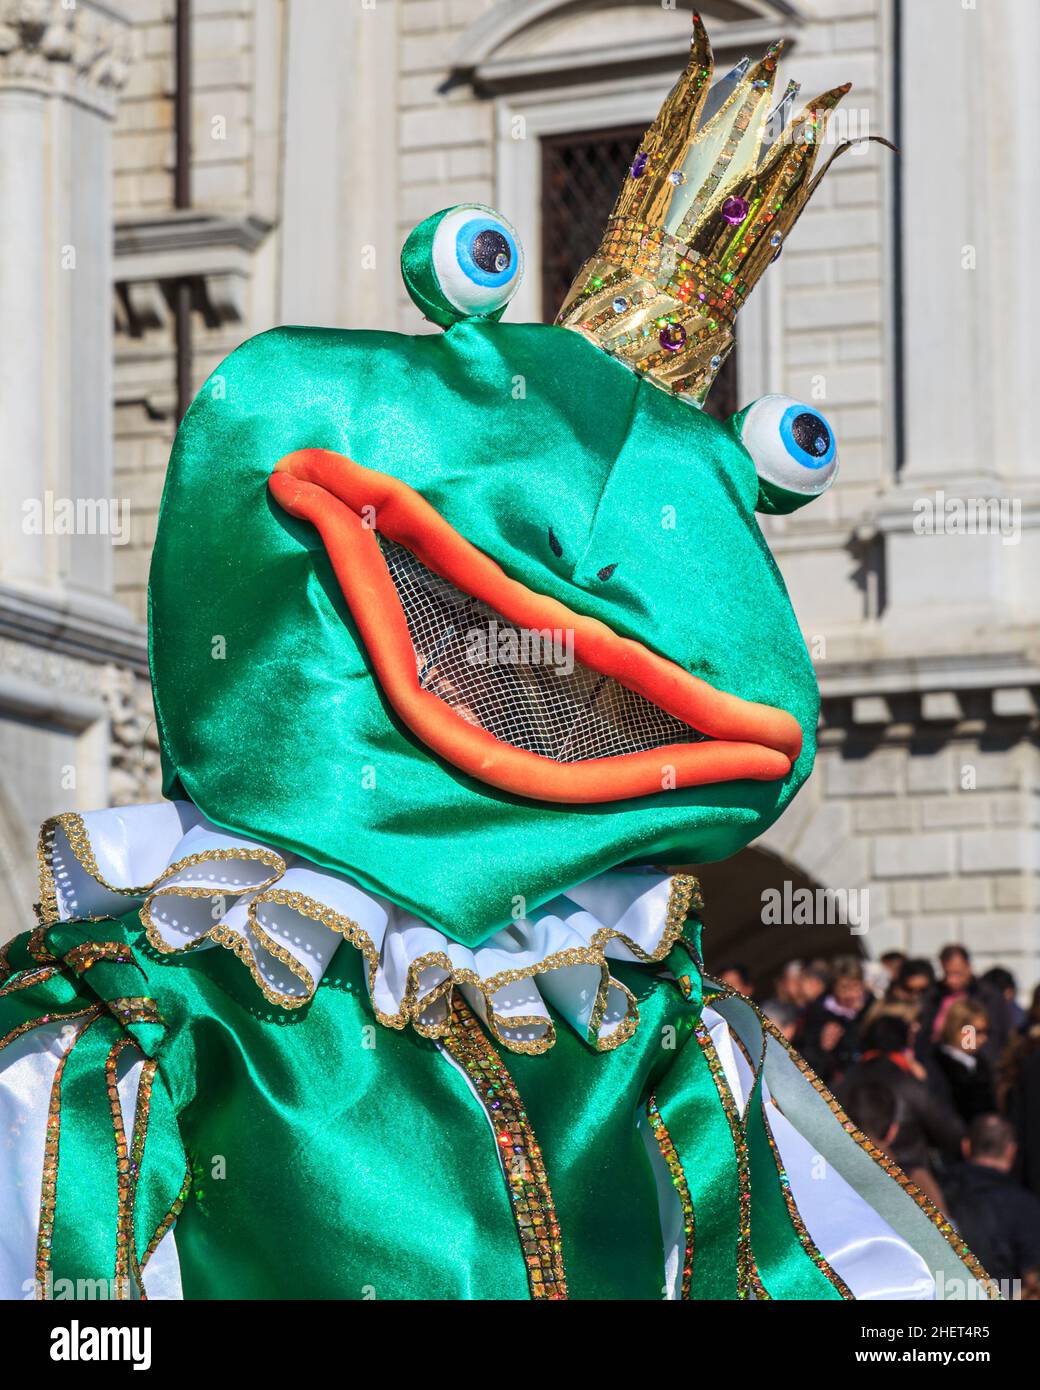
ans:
(672, 337)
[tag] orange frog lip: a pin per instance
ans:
(351, 506)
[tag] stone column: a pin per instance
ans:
(61, 67)
(339, 252)
(972, 293)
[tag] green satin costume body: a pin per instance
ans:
(355, 1162)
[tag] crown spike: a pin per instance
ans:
(722, 88)
(724, 147)
(779, 117)
(699, 218)
(700, 45)
(648, 190)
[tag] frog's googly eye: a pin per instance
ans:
(463, 263)
(794, 452)
(477, 259)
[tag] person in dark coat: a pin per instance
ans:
(829, 1036)
(1020, 1095)
(961, 1061)
(997, 1217)
(958, 983)
(927, 1129)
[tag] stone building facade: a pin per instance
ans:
(318, 132)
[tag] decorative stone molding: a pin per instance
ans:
(501, 50)
(79, 52)
(135, 774)
(152, 256)
(46, 633)
(49, 671)
(72, 693)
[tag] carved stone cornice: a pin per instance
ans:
(94, 631)
(77, 52)
(941, 697)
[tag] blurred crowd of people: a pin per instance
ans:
(940, 1068)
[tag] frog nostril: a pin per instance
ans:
(554, 544)
(606, 571)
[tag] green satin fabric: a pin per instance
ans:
(419, 272)
(86, 1205)
(268, 715)
(389, 1181)
(785, 1266)
(689, 1104)
(86, 1182)
(334, 1158)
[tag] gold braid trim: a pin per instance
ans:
(83, 957)
(38, 948)
(165, 1224)
(27, 979)
(526, 1179)
(31, 1023)
(79, 842)
(142, 1108)
(125, 1179)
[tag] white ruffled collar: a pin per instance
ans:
(284, 917)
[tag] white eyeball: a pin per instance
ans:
(793, 448)
(477, 259)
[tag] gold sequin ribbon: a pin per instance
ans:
(682, 1190)
(519, 1151)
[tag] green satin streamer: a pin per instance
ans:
(689, 1103)
(784, 1264)
(583, 1106)
(820, 1120)
(36, 995)
(161, 1173)
(86, 1199)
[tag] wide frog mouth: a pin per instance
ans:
(511, 686)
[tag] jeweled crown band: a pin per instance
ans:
(657, 304)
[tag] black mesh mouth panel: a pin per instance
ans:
(523, 686)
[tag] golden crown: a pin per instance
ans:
(715, 187)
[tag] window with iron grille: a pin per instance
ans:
(581, 176)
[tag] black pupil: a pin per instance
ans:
(811, 435)
(490, 250)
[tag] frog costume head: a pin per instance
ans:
(474, 616)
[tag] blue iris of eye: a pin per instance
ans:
(807, 437)
(482, 241)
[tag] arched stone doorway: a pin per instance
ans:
(734, 930)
